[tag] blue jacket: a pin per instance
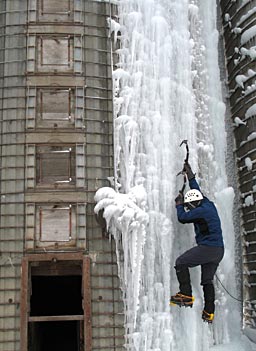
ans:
(205, 219)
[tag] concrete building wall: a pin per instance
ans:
(56, 151)
(239, 33)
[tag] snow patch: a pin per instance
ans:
(113, 27)
(248, 201)
(248, 163)
(250, 137)
(251, 111)
(251, 52)
(237, 344)
(238, 122)
(248, 34)
(240, 79)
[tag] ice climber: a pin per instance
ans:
(197, 209)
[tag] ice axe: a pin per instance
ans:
(185, 161)
(187, 148)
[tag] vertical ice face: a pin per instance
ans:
(167, 89)
(154, 82)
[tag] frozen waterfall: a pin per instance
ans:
(167, 88)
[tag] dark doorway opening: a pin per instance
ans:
(56, 296)
(56, 312)
(54, 336)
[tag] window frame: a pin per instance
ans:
(43, 66)
(44, 181)
(53, 16)
(69, 116)
(32, 235)
(71, 226)
(41, 9)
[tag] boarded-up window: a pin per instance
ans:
(50, 10)
(55, 164)
(56, 222)
(55, 107)
(55, 53)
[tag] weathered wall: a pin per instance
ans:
(56, 151)
(239, 31)
(12, 158)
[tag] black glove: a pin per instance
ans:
(187, 169)
(179, 199)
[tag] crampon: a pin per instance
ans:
(207, 317)
(182, 300)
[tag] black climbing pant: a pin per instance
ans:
(209, 297)
(208, 257)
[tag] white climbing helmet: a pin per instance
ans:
(193, 195)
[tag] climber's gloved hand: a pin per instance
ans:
(179, 199)
(187, 169)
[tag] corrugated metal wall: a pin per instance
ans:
(12, 168)
(239, 20)
(56, 151)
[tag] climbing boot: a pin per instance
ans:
(207, 317)
(182, 300)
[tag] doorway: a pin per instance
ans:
(55, 296)
(54, 336)
(55, 303)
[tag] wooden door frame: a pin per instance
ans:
(86, 289)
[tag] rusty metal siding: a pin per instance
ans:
(238, 17)
(29, 33)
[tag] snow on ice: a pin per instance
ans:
(167, 88)
(248, 163)
(251, 111)
(248, 34)
(124, 213)
(240, 80)
(248, 201)
(238, 121)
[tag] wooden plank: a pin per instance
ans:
(58, 271)
(56, 318)
(55, 256)
(54, 196)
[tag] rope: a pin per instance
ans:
(233, 297)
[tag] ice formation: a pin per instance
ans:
(238, 122)
(248, 163)
(166, 89)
